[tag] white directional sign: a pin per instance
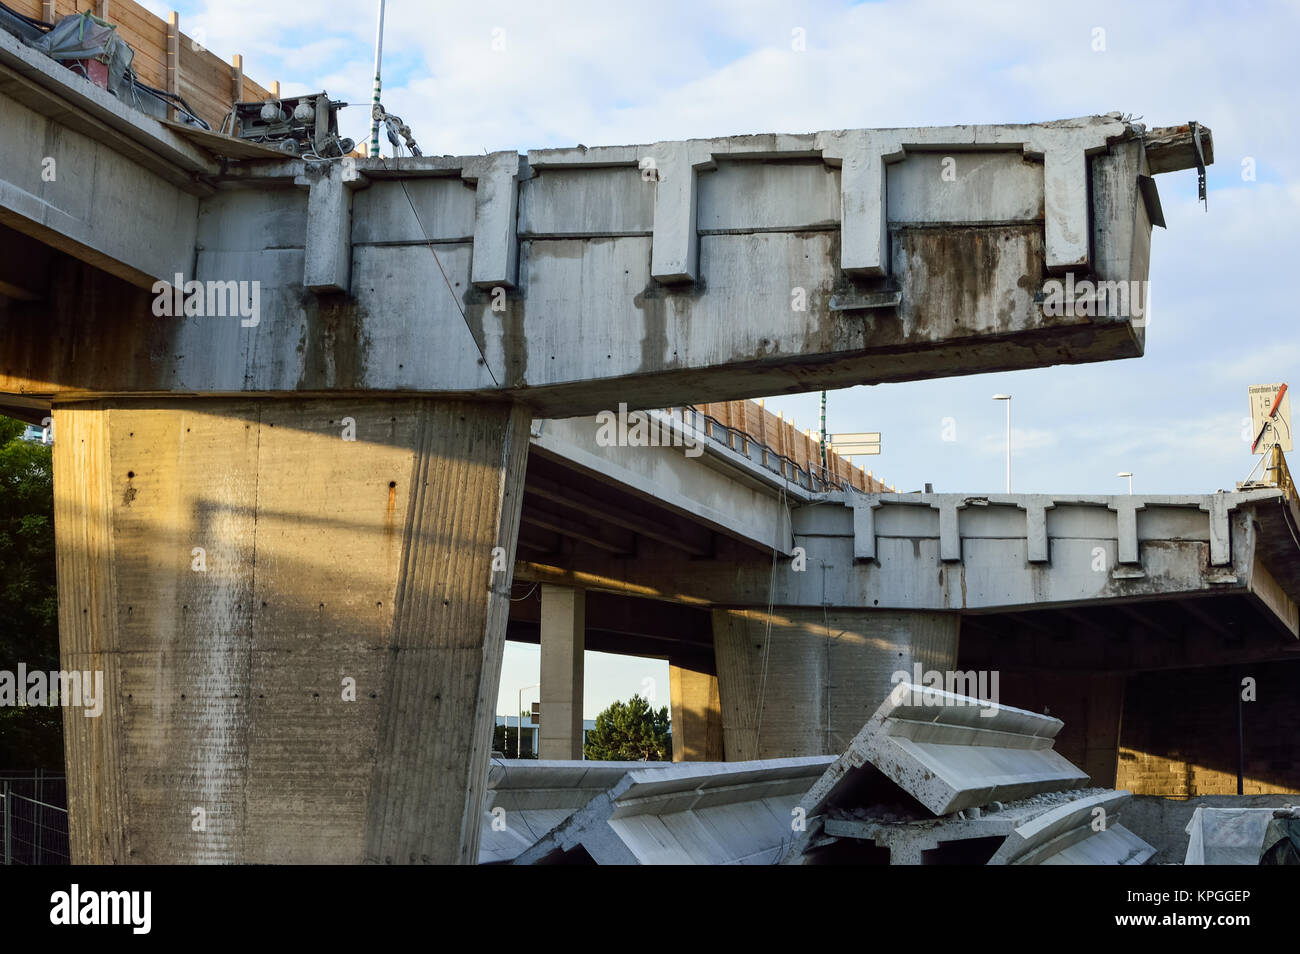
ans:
(1270, 417)
(853, 445)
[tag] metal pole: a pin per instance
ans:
(8, 858)
(823, 437)
(1008, 445)
(379, 56)
(1130, 485)
(40, 793)
(1241, 743)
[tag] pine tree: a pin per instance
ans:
(630, 732)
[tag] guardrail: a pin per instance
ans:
(814, 478)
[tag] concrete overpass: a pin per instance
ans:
(287, 514)
(1063, 596)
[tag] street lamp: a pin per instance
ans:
(1125, 473)
(1007, 398)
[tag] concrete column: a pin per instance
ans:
(697, 715)
(810, 685)
(299, 609)
(564, 622)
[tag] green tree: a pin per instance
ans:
(30, 737)
(630, 732)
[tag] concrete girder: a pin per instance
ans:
(950, 751)
(573, 279)
(526, 798)
(982, 553)
(686, 813)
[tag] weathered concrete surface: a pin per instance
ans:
(300, 634)
(982, 553)
(696, 715)
(569, 278)
(715, 486)
(1083, 831)
(526, 798)
(564, 615)
(951, 752)
(122, 193)
(686, 813)
(804, 682)
(1052, 828)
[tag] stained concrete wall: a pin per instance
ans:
(300, 634)
(577, 278)
(810, 683)
(696, 715)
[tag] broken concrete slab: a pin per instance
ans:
(686, 813)
(1066, 827)
(951, 752)
(527, 798)
(1081, 831)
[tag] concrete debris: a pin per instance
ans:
(916, 786)
(950, 752)
(528, 797)
(686, 813)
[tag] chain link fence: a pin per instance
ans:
(33, 819)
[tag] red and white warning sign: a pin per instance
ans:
(1270, 418)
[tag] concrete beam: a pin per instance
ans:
(725, 495)
(1084, 831)
(626, 267)
(689, 813)
(951, 752)
(527, 798)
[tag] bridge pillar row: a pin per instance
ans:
(299, 609)
(803, 682)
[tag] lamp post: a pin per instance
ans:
(379, 58)
(1007, 398)
(1129, 475)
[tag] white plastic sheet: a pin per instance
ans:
(1226, 836)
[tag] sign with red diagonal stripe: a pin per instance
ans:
(1270, 418)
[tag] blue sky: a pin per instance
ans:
(602, 74)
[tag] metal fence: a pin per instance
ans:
(33, 830)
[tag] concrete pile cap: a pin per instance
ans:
(951, 752)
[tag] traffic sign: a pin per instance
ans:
(1270, 418)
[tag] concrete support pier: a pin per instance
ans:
(696, 713)
(299, 608)
(563, 635)
(806, 687)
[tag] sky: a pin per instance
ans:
(487, 76)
